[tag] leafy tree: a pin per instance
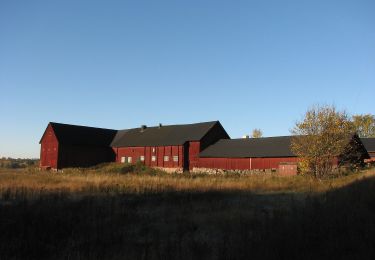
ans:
(364, 125)
(320, 138)
(257, 133)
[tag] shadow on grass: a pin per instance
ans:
(192, 225)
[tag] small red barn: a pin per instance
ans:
(65, 145)
(171, 146)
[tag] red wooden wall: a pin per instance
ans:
(243, 163)
(194, 150)
(148, 152)
(49, 149)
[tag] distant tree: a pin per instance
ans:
(320, 138)
(257, 133)
(364, 125)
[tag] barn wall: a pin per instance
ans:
(84, 156)
(194, 150)
(49, 149)
(158, 151)
(243, 163)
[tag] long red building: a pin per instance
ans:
(250, 154)
(176, 147)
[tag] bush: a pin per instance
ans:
(126, 168)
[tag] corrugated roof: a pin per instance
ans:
(162, 136)
(252, 147)
(369, 144)
(83, 135)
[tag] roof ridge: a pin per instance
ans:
(260, 138)
(63, 124)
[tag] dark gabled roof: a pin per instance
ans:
(252, 147)
(118, 136)
(82, 135)
(162, 136)
(369, 144)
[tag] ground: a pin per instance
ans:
(111, 212)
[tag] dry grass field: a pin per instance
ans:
(126, 212)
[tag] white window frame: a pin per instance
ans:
(130, 159)
(166, 158)
(175, 158)
(142, 158)
(123, 159)
(153, 158)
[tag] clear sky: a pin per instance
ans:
(121, 64)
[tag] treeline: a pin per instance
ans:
(13, 163)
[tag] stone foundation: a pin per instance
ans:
(210, 171)
(170, 170)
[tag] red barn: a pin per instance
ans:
(172, 146)
(65, 145)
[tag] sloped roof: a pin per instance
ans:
(369, 144)
(82, 135)
(162, 136)
(253, 147)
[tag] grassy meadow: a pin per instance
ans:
(132, 212)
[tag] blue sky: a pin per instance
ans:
(121, 64)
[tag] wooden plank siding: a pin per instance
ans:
(194, 150)
(158, 151)
(244, 163)
(49, 149)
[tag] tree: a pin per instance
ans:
(364, 125)
(320, 138)
(257, 133)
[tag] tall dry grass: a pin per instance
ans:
(110, 212)
(109, 180)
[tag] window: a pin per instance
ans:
(129, 160)
(166, 158)
(153, 158)
(123, 159)
(153, 150)
(142, 158)
(175, 158)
